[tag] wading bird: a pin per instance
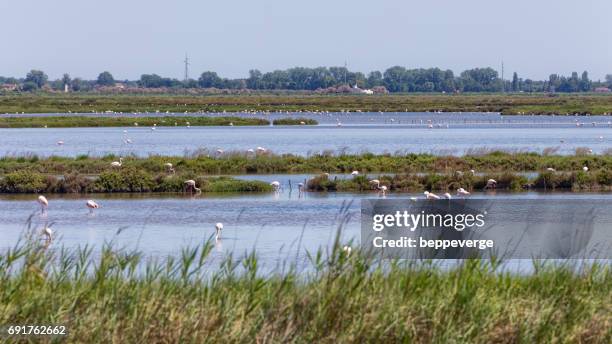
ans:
(355, 173)
(60, 143)
(447, 195)
(585, 169)
(347, 249)
(491, 184)
(42, 200)
(430, 195)
(169, 168)
(275, 185)
(47, 232)
(550, 169)
(190, 185)
(117, 163)
(218, 229)
(462, 192)
(91, 204)
(382, 190)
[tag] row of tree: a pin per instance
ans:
(394, 79)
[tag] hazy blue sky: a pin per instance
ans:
(131, 37)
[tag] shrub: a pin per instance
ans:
(23, 182)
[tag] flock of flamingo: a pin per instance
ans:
(191, 185)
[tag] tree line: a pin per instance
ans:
(394, 79)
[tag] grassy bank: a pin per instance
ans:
(294, 121)
(205, 162)
(166, 121)
(505, 103)
(577, 181)
(345, 298)
(124, 180)
(133, 180)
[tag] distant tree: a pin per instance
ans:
(30, 86)
(39, 78)
(150, 81)
(210, 79)
(585, 83)
(66, 80)
(481, 80)
(393, 79)
(254, 80)
(515, 82)
(609, 80)
(105, 79)
(553, 82)
(375, 78)
(78, 84)
(190, 83)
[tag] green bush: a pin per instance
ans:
(23, 182)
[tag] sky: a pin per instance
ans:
(131, 37)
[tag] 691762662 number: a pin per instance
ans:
(26, 330)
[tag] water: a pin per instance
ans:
(455, 134)
(276, 225)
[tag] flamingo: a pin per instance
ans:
(447, 195)
(301, 187)
(383, 190)
(48, 233)
(91, 204)
(261, 150)
(275, 185)
(462, 192)
(117, 163)
(191, 185)
(169, 167)
(430, 195)
(250, 151)
(218, 229)
(491, 184)
(42, 200)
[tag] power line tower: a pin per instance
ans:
(502, 78)
(186, 61)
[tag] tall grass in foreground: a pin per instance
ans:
(120, 296)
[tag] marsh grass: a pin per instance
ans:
(412, 172)
(577, 181)
(505, 103)
(98, 121)
(123, 180)
(294, 121)
(204, 161)
(118, 295)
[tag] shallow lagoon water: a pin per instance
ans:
(159, 225)
(456, 134)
